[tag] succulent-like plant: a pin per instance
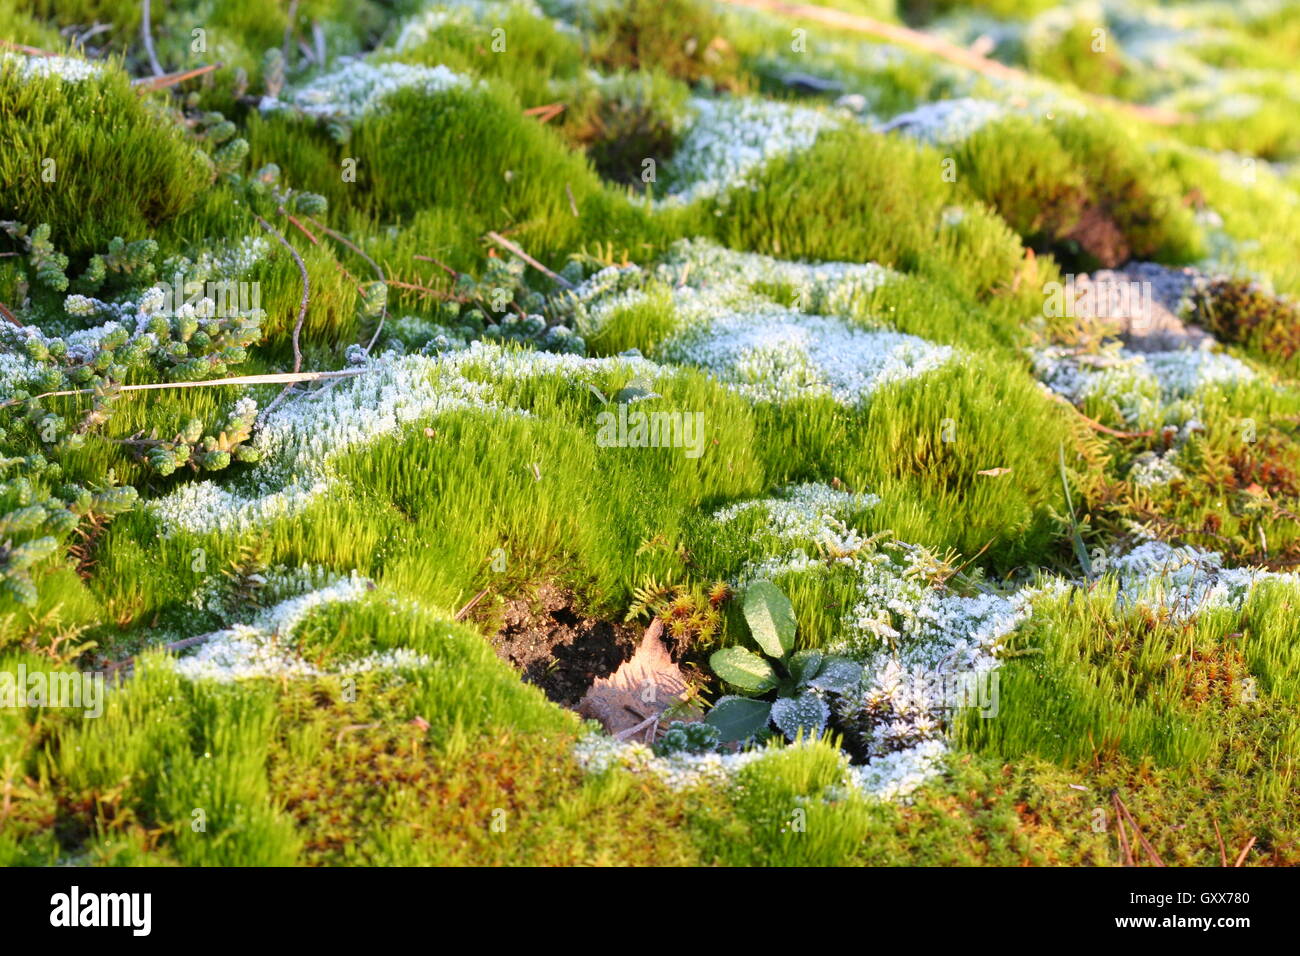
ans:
(778, 687)
(690, 737)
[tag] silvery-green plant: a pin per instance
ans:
(779, 687)
(688, 737)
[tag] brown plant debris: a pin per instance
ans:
(631, 702)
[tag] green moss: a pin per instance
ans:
(686, 40)
(857, 197)
(65, 138)
(1078, 188)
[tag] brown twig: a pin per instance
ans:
(439, 263)
(334, 234)
(505, 243)
(969, 562)
(544, 114)
(24, 48)
(129, 662)
(1098, 426)
(1146, 845)
(339, 237)
(1223, 853)
(171, 79)
(4, 310)
(941, 48)
(650, 736)
(460, 615)
(299, 226)
(1241, 857)
(1123, 837)
(425, 290)
(316, 242)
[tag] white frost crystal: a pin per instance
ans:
(1140, 384)
(1186, 581)
(808, 512)
(264, 647)
(358, 88)
(894, 778)
(946, 122)
(68, 69)
(484, 13)
(773, 354)
(731, 140)
(729, 323)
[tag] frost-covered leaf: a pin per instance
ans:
(744, 668)
(635, 390)
(738, 718)
(838, 675)
(770, 617)
(806, 713)
(805, 665)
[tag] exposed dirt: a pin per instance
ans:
(1100, 237)
(557, 649)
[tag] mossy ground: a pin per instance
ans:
(456, 761)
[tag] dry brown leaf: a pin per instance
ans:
(628, 702)
(994, 472)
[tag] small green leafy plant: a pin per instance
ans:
(689, 737)
(778, 687)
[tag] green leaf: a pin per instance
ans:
(1080, 551)
(770, 617)
(839, 675)
(744, 668)
(738, 718)
(805, 665)
(638, 388)
(806, 714)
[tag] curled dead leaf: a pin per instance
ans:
(629, 702)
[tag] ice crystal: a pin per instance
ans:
(773, 354)
(894, 779)
(419, 28)
(264, 647)
(925, 648)
(1139, 384)
(1151, 470)
(807, 512)
(299, 440)
(358, 88)
(730, 140)
(1185, 581)
(68, 69)
(946, 122)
